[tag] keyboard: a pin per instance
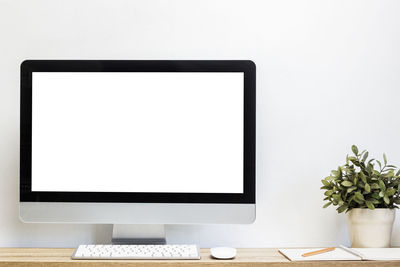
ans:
(136, 252)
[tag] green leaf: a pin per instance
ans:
(360, 202)
(389, 174)
(325, 182)
(336, 197)
(328, 193)
(398, 173)
(370, 168)
(352, 158)
(373, 200)
(343, 168)
(329, 178)
(375, 186)
(392, 170)
(382, 185)
(359, 196)
(384, 158)
(382, 193)
(355, 180)
(354, 148)
(369, 205)
(347, 183)
(379, 163)
(363, 177)
(367, 188)
(365, 156)
(336, 174)
(375, 195)
(391, 166)
(360, 185)
(342, 208)
(351, 189)
(375, 172)
(327, 205)
(386, 199)
(390, 191)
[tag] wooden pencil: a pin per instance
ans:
(316, 252)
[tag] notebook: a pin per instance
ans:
(343, 254)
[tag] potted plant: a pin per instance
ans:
(368, 191)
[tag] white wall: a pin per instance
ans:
(328, 77)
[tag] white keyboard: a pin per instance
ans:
(137, 252)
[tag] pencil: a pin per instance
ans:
(317, 252)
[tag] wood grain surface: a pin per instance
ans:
(248, 257)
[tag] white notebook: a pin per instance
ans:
(343, 254)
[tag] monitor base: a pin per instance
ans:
(138, 234)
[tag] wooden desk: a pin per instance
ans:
(61, 257)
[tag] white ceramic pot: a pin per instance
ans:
(370, 228)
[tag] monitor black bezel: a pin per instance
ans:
(246, 66)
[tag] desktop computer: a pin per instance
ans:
(137, 144)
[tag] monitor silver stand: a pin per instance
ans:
(138, 234)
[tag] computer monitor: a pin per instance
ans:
(137, 142)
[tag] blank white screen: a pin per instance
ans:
(137, 132)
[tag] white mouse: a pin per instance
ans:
(223, 253)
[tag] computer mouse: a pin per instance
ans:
(223, 253)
